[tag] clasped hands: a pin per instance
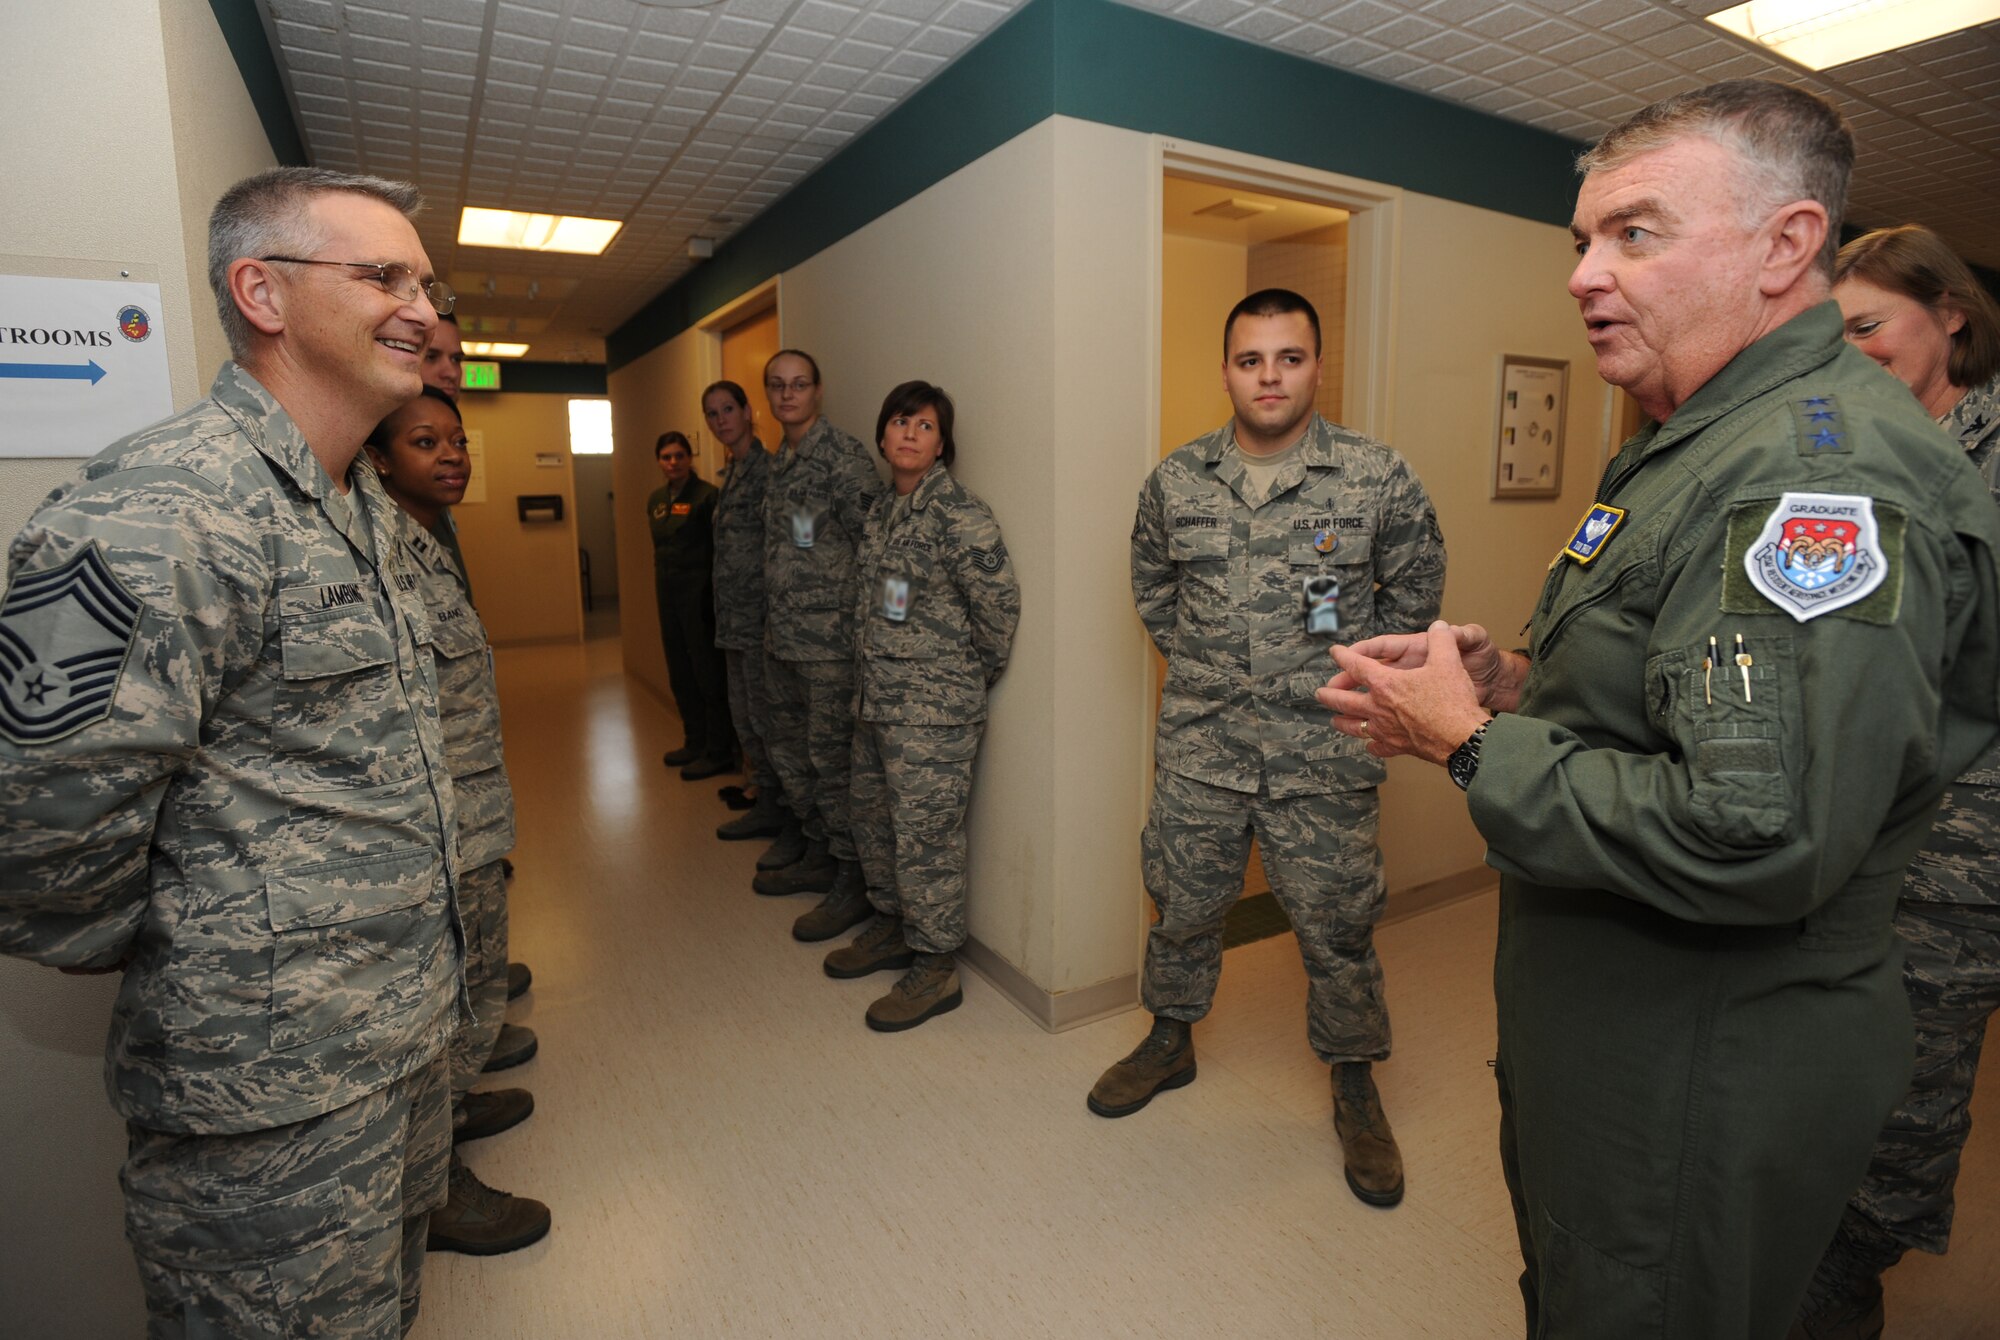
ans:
(1421, 693)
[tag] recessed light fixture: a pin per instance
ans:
(536, 232)
(1821, 33)
(490, 349)
(1233, 207)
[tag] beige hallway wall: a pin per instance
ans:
(125, 119)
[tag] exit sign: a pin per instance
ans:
(481, 376)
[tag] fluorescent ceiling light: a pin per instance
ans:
(488, 349)
(1820, 33)
(536, 232)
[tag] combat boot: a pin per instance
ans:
(766, 817)
(485, 1112)
(480, 1221)
(929, 988)
(789, 849)
(879, 946)
(1165, 1060)
(515, 1046)
(845, 906)
(675, 758)
(813, 873)
(1374, 1164)
(519, 978)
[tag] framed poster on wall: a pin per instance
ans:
(1528, 436)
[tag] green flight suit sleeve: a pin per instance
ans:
(1156, 585)
(1759, 808)
(77, 812)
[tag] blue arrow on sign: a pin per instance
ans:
(89, 372)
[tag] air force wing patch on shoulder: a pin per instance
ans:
(64, 633)
(1817, 552)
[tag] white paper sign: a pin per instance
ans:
(83, 362)
(475, 451)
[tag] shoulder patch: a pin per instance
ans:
(1821, 430)
(989, 560)
(1814, 554)
(64, 634)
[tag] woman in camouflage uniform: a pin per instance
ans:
(936, 605)
(420, 453)
(1912, 306)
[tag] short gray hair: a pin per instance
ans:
(268, 214)
(1795, 145)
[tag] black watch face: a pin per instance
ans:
(1461, 765)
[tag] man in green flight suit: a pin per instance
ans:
(1770, 643)
(682, 514)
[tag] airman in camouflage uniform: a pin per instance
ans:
(1948, 916)
(1245, 571)
(411, 449)
(815, 508)
(937, 604)
(222, 770)
(739, 602)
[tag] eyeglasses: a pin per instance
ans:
(394, 277)
(798, 386)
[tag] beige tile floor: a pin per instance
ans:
(730, 1153)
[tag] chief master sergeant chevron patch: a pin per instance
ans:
(64, 633)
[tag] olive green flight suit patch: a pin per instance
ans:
(1741, 596)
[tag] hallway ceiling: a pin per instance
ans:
(687, 123)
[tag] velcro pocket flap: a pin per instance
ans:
(335, 641)
(222, 1237)
(353, 887)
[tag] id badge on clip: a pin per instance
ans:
(1322, 604)
(895, 599)
(802, 529)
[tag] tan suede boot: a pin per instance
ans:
(929, 988)
(879, 946)
(1374, 1164)
(1165, 1060)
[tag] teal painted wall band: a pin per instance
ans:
(1139, 71)
(1104, 62)
(250, 48)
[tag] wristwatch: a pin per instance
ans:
(1464, 760)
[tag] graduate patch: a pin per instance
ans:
(63, 638)
(1599, 524)
(1818, 552)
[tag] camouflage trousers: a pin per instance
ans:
(911, 787)
(811, 744)
(316, 1228)
(1326, 871)
(482, 908)
(1952, 973)
(750, 708)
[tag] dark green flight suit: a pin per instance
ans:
(1701, 1017)
(683, 523)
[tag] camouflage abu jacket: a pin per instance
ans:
(739, 551)
(937, 604)
(221, 761)
(1223, 589)
(815, 509)
(468, 697)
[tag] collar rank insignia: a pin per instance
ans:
(1817, 553)
(64, 634)
(1599, 524)
(1820, 427)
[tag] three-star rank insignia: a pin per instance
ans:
(1599, 524)
(1821, 430)
(64, 634)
